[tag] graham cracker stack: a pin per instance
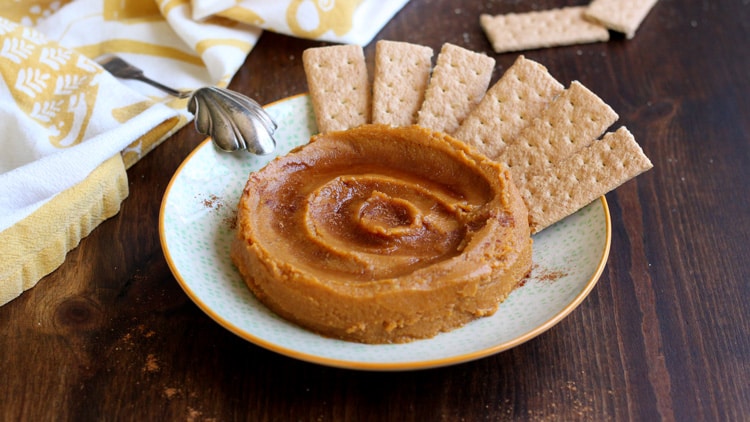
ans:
(459, 81)
(572, 121)
(521, 93)
(402, 71)
(339, 86)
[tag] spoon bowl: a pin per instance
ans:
(233, 121)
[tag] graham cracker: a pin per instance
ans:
(339, 87)
(547, 28)
(521, 93)
(459, 80)
(402, 71)
(582, 177)
(623, 16)
(572, 121)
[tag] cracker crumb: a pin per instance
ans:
(171, 392)
(193, 414)
(152, 364)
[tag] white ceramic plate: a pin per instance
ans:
(196, 229)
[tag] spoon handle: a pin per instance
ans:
(171, 91)
(122, 69)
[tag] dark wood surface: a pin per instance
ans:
(665, 334)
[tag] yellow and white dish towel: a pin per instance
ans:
(70, 130)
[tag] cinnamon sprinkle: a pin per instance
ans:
(213, 202)
(230, 221)
(542, 274)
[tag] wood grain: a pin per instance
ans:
(665, 335)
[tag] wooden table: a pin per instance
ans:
(665, 334)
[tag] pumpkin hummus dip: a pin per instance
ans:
(382, 235)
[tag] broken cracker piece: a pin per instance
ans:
(459, 80)
(589, 173)
(623, 16)
(339, 87)
(402, 71)
(510, 104)
(547, 28)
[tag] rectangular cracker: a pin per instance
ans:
(547, 28)
(572, 121)
(623, 16)
(402, 71)
(582, 177)
(520, 94)
(339, 87)
(459, 80)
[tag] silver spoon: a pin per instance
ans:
(233, 121)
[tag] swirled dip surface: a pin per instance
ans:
(380, 234)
